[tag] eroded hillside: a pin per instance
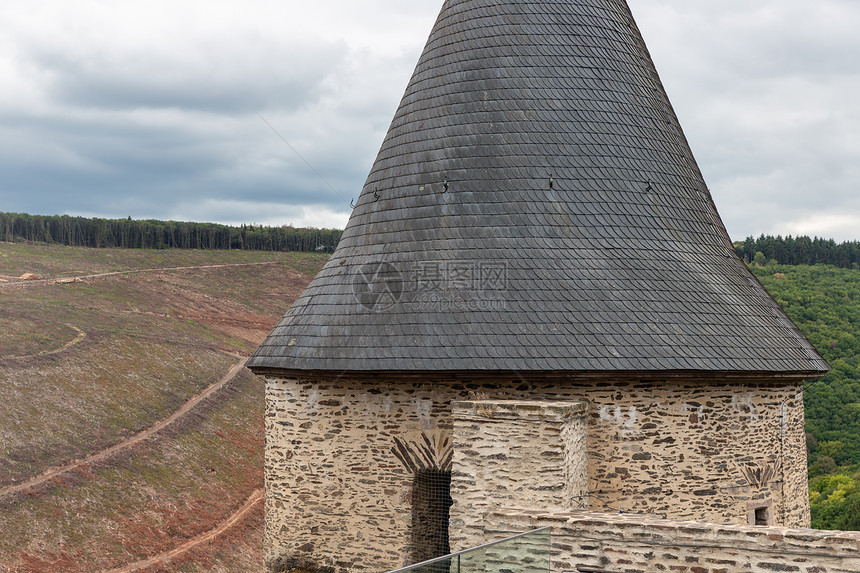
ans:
(104, 349)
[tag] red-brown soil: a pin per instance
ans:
(100, 377)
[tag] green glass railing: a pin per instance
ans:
(524, 553)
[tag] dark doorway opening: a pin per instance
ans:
(431, 504)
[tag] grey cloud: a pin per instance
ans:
(223, 76)
(145, 194)
(763, 88)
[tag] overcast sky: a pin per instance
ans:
(150, 109)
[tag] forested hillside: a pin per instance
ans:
(824, 301)
(151, 234)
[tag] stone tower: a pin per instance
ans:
(535, 227)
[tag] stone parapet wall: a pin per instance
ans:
(509, 451)
(584, 541)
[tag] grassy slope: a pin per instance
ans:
(55, 260)
(152, 341)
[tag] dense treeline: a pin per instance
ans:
(824, 301)
(151, 234)
(799, 251)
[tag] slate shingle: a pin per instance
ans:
(621, 264)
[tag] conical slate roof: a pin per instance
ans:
(536, 207)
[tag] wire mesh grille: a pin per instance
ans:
(431, 503)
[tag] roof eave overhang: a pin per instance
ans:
(591, 375)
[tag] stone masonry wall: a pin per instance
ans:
(336, 494)
(585, 541)
(339, 471)
(509, 452)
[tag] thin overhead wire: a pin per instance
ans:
(302, 158)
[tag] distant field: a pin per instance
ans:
(54, 261)
(87, 364)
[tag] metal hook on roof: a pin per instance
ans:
(352, 203)
(551, 181)
(649, 185)
(445, 185)
(376, 195)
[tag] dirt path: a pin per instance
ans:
(255, 498)
(74, 279)
(78, 339)
(127, 443)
